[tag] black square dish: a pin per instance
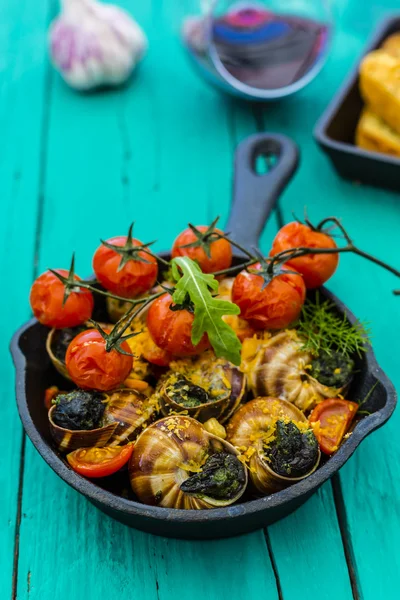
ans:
(335, 130)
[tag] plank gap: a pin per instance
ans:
(273, 563)
(344, 533)
(47, 93)
(18, 518)
(258, 115)
(48, 86)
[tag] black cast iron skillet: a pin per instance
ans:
(254, 198)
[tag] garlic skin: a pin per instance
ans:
(94, 45)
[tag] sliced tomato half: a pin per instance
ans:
(331, 420)
(99, 462)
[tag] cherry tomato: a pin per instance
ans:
(154, 354)
(171, 330)
(331, 419)
(91, 367)
(99, 462)
(220, 251)
(275, 306)
(136, 277)
(315, 268)
(49, 395)
(46, 298)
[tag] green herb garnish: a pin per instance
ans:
(208, 311)
(293, 453)
(221, 477)
(323, 329)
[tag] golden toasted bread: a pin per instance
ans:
(380, 86)
(392, 45)
(374, 134)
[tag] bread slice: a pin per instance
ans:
(392, 45)
(374, 134)
(380, 86)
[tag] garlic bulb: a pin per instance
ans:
(94, 45)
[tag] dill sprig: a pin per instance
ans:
(324, 330)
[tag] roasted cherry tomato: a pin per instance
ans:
(330, 420)
(275, 306)
(47, 295)
(154, 354)
(220, 251)
(135, 278)
(91, 367)
(99, 462)
(171, 330)
(315, 268)
(49, 395)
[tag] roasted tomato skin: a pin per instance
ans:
(99, 462)
(135, 277)
(155, 355)
(91, 367)
(315, 268)
(172, 330)
(220, 251)
(275, 306)
(330, 420)
(49, 394)
(46, 298)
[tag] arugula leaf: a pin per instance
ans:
(208, 311)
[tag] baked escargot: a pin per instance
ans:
(277, 366)
(176, 463)
(81, 419)
(204, 387)
(276, 441)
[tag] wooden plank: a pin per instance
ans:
(151, 150)
(22, 76)
(308, 551)
(371, 498)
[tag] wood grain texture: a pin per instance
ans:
(22, 75)
(158, 154)
(372, 216)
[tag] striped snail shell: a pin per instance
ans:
(254, 425)
(126, 413)
(277, 366)
(203, 387)
(57, 342)
(178, 452)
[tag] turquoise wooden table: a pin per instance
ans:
(74, 168)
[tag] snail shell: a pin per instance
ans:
(277, 366)
(67, 439)
(247, 431)
(131, 411)
(165, 455)
(224, 386)
(57, 362)
(127, 412)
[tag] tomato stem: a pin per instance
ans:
(116, 337)
(292, 253)
(235, 268)
(133, 301)
(238, 246)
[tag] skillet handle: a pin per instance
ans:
(254, 195)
